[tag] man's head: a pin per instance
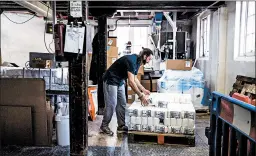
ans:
(146, 55)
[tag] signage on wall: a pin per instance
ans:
(76, 9)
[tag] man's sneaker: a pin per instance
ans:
(107, 131)
(121, 129)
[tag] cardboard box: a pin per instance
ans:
(131, 99)
(179, 64)
(110, 61)
(129, 89)
(112, 51)
(89, 60)
(16, 125)
(139, 76)
(141, 70)
(146, 85)
(112, 41)
(14, 97)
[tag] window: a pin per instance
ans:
(140, 39)
(204, 36)
(137, 35)
(245, 30)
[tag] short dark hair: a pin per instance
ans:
(146, 51)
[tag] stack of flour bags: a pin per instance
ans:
(166, 113)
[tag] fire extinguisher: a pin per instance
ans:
(59, 39)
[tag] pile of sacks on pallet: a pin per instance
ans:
(186, 82)
(166, 113)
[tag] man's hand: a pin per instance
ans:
(143, 99)
(146, 92)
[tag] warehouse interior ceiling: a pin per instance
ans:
(123, 9)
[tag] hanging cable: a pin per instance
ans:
(17, 22)
(50, 45)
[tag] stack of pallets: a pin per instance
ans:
(245, 86)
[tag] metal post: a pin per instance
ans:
(78, 108)
(0, 42)
(212, 135)
(252, 148)
(218, 137)
(174, 34)
(50, 80)
(242, 145)
(232, 142)
(54, 20)
(172, 22)
(225, 140)
(102, 32)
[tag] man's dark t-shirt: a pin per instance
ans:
(117, 72)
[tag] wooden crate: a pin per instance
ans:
(244, 85)
(161, 138)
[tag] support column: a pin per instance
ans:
(54, 19)
(102, 59)
(172, 22)
(174, 34)
(0, 40)
(78, 108)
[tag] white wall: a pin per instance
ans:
(20, 39)
(220, 69)
(234, 68)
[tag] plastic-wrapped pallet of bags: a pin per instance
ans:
(188, 119)
(168, 113)
(186, 82)
(167, 84)
(175, 81)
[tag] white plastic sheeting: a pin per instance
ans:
(184, 82)
(59, 76)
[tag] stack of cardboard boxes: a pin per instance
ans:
(170, 65)
(179, 64)
(112, 51)
(131, 94)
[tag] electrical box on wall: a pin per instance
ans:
(41, 60)
(48, 28)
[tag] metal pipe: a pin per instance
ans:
(150, 7)
(86, 11)
(54, 21)
(174, 34)
(39, 11)
(54, 16)
(0, 40)
(202, 11)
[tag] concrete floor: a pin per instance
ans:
(101, 145)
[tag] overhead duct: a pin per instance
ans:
(39, 8)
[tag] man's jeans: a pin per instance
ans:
(115, 99)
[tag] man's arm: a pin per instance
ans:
(133, 84)
(139, 84)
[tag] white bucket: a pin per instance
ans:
(62, 123)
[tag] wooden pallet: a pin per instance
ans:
(244, 85)
(158, 138)
(202, 111)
